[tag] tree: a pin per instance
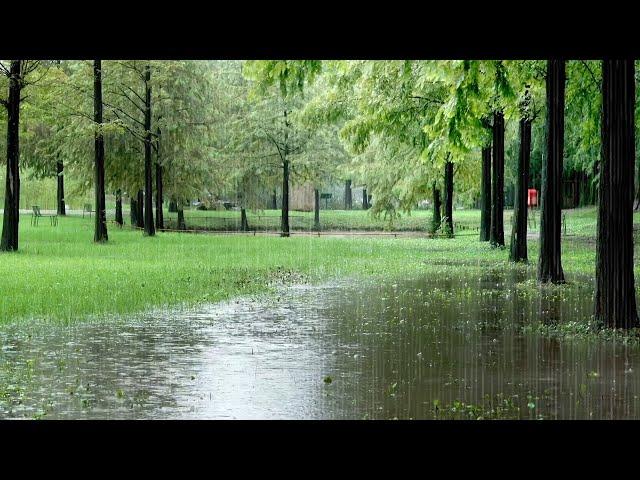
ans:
(288, 137)
(100, 232)
(448, 197)
(485, 195)
(437, 218)
(17, 74)
(615, 295)
(149, 226)
(550, 259)
(518, 247)
(348, 199)
(497, 188)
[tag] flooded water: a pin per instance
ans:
(425, 348)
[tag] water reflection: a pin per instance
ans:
(436, 347)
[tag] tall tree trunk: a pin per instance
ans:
(284, 223)
(244, 223)
(140, 212)
(316, 210)
(550, 259)
(497, 189)
(437, 205)
(60, 192)
(11, 217)
(149, 227)
(181, 223)
(615, 296)
(518, 252)
(134, 211)
(159, 200)
(448, 201)
(365, 199)
(485, 195)
(274, 202)
(100, 231)
(119, 219)
(348, 198)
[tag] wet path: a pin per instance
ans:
(448, 347)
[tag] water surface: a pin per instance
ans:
(447, 346)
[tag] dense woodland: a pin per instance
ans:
(476, 133)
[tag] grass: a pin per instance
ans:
(60, 274)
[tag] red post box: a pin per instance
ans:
(532, 197)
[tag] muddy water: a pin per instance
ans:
(448, 347)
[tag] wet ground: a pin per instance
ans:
(447, 347)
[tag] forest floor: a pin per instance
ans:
(60, 274)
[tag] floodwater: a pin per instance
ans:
(444, 347)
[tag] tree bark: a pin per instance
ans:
(284, 223)
(173, 206)
(119, 219)
(149, 227)
(615, 296)
(159, 200)
(274, 202)
(348, 198)
(181, 223)
(448, 200)
(140, 211)
(100, 231)
(365, 199)
(518, 251)
(244, 223)
(550, 259)
(134, 211)
(485, 196)
(437, 205)
(496, 236)
(316, 210)
(11, 217)
(60, 192)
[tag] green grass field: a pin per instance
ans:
(60, 274)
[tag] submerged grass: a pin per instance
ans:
(60, 274)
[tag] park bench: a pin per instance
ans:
(87, 208)
(38, 214)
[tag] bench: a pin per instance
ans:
(38, 214)
(87, 208)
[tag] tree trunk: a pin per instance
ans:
(159, 202)
(348, 199)
(518, 252)
(140, 212)
(365, 199)
(615, 296)
(60, 193)
(316, 210)
(274, 202)
(119, 219)
(448, 201)
(100, 231)
(496, 236)
(149, 227)
(437, 205)
(181, 223)
(173, 206)
(550, 259)
(485, 196)
(134, 211)
(244, 223)
(285, 200)
(11, 217)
